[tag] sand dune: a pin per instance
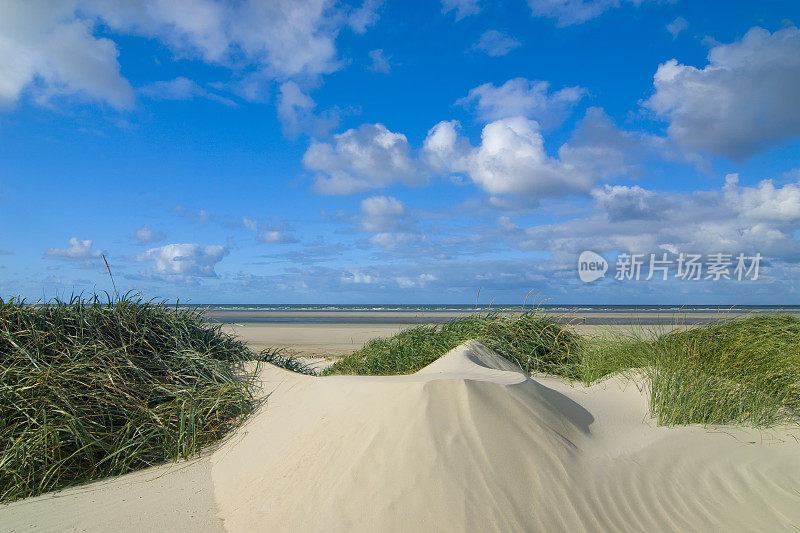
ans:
(468, 443)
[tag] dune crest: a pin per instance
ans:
(470, 442)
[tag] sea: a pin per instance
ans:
(433, 313)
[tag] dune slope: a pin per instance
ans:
(467, 443)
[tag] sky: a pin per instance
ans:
(312, 151)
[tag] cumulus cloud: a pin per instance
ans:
(743, 101)
(51, 47)
(185, 260)
(360, 159)
(146, 235)
(732, 219)
(44, 46)
(463, 8)
(495, 43)
(522, 97)
(511, 158)
(181, 88)
(78, 250)
(379, 62)
(570, 12)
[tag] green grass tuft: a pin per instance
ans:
(90, 389)
(744, 371)
(533, 341)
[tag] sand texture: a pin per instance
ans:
(468, 443)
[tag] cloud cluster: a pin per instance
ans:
(762, 218)
(44, 46)
(78, 250)
(52, 48)
(744, 100)
(510, 159)
(360, 159)
(185, 260)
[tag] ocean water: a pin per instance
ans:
(427, 313)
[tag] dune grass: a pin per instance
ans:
(90, 389)
(534, 341)
(742, 371)
(745, 371)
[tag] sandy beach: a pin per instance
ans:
(467, 444)
(334, 340)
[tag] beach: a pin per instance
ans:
(469, 444)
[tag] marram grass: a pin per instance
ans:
(740, 371)
(90, 389)
(533, 341)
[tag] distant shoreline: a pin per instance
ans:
(601, 315)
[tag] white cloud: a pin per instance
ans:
(381, 213)
(677, 26)
(360, 159)
(146, 235)
(622, 202)
(78, 250)
(511, 158)
(51, 47)
(569, 12)
(463, 8)
(380, 63)
(45, 47)
(629, 218)
(186, 260)
(495, 43)
(181, 88)
(284, 38)
(522, 97)
(743, 101)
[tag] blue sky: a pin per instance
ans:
(397, 152)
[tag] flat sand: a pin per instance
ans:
(335, 340)
(314, 340)
(468, 443)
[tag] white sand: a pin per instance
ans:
(312, 340)
(469, 443)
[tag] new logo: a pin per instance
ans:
(591, 266)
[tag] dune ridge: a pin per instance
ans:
(467, 443)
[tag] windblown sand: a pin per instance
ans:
(468, 443)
